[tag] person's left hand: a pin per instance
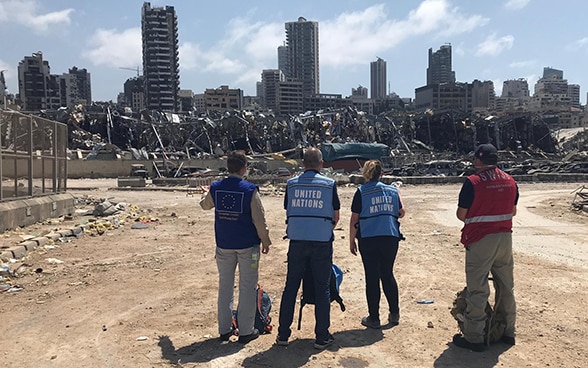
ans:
(264, 249)
(353, 247)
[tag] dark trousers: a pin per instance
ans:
(378, 255)
(319, 256)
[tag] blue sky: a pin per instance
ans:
(230, 42)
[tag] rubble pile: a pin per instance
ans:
(424, 143)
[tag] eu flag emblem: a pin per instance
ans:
(228, 201)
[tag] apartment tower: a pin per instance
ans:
(302, 41)
(33, 82)
(378, 79)
(161, 68)
(439, 70)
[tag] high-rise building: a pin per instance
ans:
(270, 82)
(439, 70)
(549, 72)
(161, 68)
(2, 85)
(33, 76)
(515, 88)
(283, 59)
(360, 93)
(574, 94)
(134, 92)
(378, 79)
(83, 82)
(302, 41)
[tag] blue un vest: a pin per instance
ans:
(380, 207)
(310, 209)
(233, 224)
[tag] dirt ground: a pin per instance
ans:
(147, 297)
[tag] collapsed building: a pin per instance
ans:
(413, 138)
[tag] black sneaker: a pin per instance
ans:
(370, 322)
(226, 337)
(394, 319)
(508, 340)
(322, 345)
(244, 339)
(461, 342)
(281, 342)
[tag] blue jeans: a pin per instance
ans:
(319, 256)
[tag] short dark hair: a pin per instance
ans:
(236, 160)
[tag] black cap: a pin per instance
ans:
(486, 152)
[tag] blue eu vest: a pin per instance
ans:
(380, 207)
(233, 224)
(309, 209)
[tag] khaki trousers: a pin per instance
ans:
(493, 253)
(227, 261)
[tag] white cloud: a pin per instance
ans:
(494, 46)
(357, 37)
(531, 81)
(115, 49)
(523, 64)
(516, 4)
(248, 46)
(254, 44)
(580, 44)
(25, 13)
(498, 84)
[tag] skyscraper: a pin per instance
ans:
(283, 59)
(161, 66)
(302, 40)
(378, 79)
(33, 78)
(439, 70)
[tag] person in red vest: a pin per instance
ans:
(487, 204)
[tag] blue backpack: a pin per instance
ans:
(263, 322)
(308, 294)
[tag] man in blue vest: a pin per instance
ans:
(240, 227)
(312, 210)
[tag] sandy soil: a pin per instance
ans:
(147, 297)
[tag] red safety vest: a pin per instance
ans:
(491, 212)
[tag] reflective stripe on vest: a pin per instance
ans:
(493, 218)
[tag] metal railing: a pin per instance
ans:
(33, 156)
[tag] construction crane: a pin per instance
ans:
(134, 69)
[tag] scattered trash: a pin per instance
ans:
(54, 261)
(142, 338)
(425, 301)
(15, 289)
(139, 226)
(104, 328)
(430, 324)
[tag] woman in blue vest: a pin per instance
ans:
(375, 211)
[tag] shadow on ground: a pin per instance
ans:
(455, 357)
(198, 352)
(301, 351)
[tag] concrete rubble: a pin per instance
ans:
(424, 143)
